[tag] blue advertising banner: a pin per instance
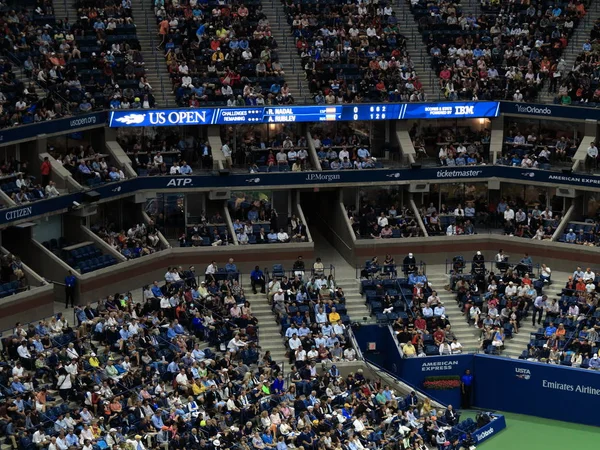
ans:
(292, 113)
(416, 371)
(66, 125)
(537, 389)
(550, 111)
(290, 179)
(413, 371)
(497, 424)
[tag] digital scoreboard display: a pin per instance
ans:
(308, 113)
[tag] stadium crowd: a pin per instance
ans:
(135, 374)
(507, 53)
(359, 60)
(221, 53)
(138, 240)
(569, 325)
(92, 63)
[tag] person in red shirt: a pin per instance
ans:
(439, 336)
(420, 324)
(45, 170)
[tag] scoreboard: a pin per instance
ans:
(296, 113)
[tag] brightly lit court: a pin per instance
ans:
(533, 433)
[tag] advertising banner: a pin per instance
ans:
(537, 389)
(288, 179)
(66, 125)
(491, 429)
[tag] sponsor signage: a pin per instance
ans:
(446, 364)
(550, 111)
(284, 180)
(66, 125)
(537, 389)
(18, 213)
(497, 424)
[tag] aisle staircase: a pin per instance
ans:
(466, 334)
(416, 49)
(286, 51)
(269, 331)
(156, 67)
(514, 347)
(575, 46)
(270, 335)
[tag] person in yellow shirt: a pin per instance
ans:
(198, 388)
(334, 316)
(218, 55)
(94, 361)
(409, 350)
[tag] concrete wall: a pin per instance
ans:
(327, 214)
(138, 272)
(438, 249)
(27, 306)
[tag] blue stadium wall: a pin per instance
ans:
(500, 384)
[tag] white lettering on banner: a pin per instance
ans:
(569, 179)
(322, 177)
(18, 213)
(179, 182)
(528, 109)
(177, 117)
(82, 121)
(581, 389)
(522, 373)
(281, 115)
(464, 110)
(457, 173)
(481, 436)
(438, 365)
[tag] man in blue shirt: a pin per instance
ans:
(185, 168)
(550, 330)
(156, 290)
(466, 383)
(157, 421)
(257, 278)
(230, 266)
(70, 281)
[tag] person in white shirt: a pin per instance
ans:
(39, 438)
(545, 273)
(445, 349)
(174, 169)
(210, 271)
(295, 342)
(456, 347)
(182, 380)
(358, 425)
(510, 290)
(235, 344)
(509, 214)
(227, 154)
(451, 230)
(588, 275)
(23, 351)
(349, 354)
(51, 190)
(282, 236)
(382, 221)
(344, 154)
